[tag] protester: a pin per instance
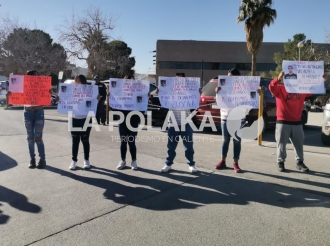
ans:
(173, 138)
(100, 112)
(78, 121)
(34, 123)
(128, 136)
(224, 112)
(288, 125)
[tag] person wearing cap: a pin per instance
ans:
(100, 111)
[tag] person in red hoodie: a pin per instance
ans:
(288, 125)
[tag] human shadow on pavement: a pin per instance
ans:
(16, 200)
(6, 162)
(154, 194)
(302, 181)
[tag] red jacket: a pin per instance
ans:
(288, 105)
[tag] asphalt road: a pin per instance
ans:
(105, 206)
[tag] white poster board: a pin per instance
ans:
(179, 93)
(304, 76)
(238, 90)
(16, 83)
(129, 94)
(78, 98)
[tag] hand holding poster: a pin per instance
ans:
(77, 98)
(304, 76)
(179, 92)
(35, 90)
(129, 94)
(238, 90)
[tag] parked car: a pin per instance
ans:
(3, 92)
(208, 103)
(325, 130)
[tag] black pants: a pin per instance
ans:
(127, 136)
(80, 135)
(100, 112)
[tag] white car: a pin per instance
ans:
(325, 132)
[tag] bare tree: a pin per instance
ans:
(90, 32)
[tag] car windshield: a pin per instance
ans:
(209, 89)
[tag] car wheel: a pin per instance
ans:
(325, 139)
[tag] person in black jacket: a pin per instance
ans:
(100, 111)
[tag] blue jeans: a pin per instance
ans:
(172, 143)
(226, 140)
(34, 123)
(127, 137)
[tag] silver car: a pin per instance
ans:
(325, 134)
(3, 92)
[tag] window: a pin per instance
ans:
(209, 89)
(266, 66)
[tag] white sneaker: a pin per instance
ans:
(121, 165)
(193, 169)
(87, 164)
(134, 165)
(165, 169)
(73, 165)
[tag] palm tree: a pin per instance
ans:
(256, 14)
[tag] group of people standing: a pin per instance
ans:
(288, 126)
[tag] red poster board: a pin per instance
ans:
(36, 91)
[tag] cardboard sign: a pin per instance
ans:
(35, 91)
(179, 93)
(129, 94)
(238, 90)
(304, 77)
(77, 98)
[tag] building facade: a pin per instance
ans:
(208, 59)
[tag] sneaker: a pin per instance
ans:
(32, 163)
(73, 165)
(41, 164)
(221, 165)
(134, 165)
(166, 168)
(193, 169)
(87, 164)
(121, 165)
(236, 168)
(302, 167)
(281, 167)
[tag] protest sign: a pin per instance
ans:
(77, 98)
(16, 83)
(238, 90)
(129, 94)
(35, 90)
(304, 76)
(179, 92)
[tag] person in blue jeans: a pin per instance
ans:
(174, 137)
(34, 124)
(224, 112)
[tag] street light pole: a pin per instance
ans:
(300, 45)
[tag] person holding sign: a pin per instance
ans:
(173, 138)
(34, 124)
(288, 125)
(224, 112)
(78, 121)
(127, 136)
